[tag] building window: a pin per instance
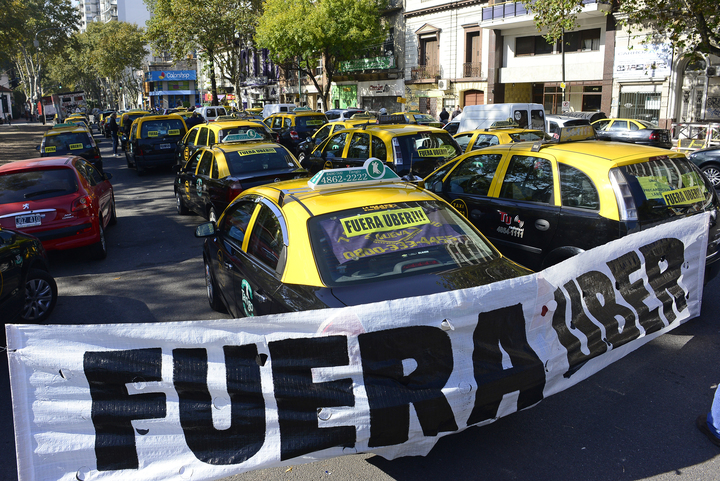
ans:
(473, 50)
(580, 41)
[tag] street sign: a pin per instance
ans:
(566, 106)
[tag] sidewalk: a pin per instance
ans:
(18, 141)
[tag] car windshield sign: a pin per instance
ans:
(244, 136)
(373, 171)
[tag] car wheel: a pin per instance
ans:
(712, 172)
(113, 213)
(40, 296)
(212, 215)
(212, 291)
(181, 209)
(99, 249)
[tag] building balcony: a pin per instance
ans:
(516, 14)
(472, 69)
(425, 72)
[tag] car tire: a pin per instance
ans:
(212, 290)
(212, 215)
(40, 296)
(99, 249)
(712, 172)
(113, 213)
(181, 209)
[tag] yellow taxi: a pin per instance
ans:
(79, 121)
(311, 244)
(153, 141)
(414, 117)
(498, 134)
(205, 135)
(294, 127)
(409, 149)
(71, 139)
(541, 203)
(125, 122)
(306, 147)
(214, 175)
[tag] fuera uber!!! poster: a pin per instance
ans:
(207, 399)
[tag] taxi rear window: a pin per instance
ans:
(67, 143)
(310, 121)
(666, 187)
(528, 136)
(162, 128)
(403, 239)
(424, 145)
(260, 130)
(36, 185)
(258, 160)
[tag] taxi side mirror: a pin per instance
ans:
(206, 229)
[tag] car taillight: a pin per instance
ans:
(234, 190)
(81, 203)
(623, 195)
(654, 136)
(294, 136)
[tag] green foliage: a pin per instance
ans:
(334, 30)
(692, 26)
(554, 16)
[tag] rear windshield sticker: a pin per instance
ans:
(401, 238)
(256, 151)
(314, 122)
(49, 149)
(387, 221)
(174, 132)
(687, 195)
(75, 146)
(152, 133)
(443, 151)
(654, 186)
(692, 178)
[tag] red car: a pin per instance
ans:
(63, 201)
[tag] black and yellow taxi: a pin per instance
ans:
(307, 146)
(205, 135)
(153, 140)
(125, 122)
(345, 237)
(543, 202)
(71, 139)
(77, 119)
(499, 133)
(414, 117)
(294, 127)
(213, 176)
(407, 148)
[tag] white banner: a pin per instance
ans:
(209, 399)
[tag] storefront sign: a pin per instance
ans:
(374, 63)
(160, 75)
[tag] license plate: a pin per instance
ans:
(165, 146)
(27, 220)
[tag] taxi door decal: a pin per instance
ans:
(461, 207)
(199, 187)
(247, 296)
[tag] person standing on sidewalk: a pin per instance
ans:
(113, 128)
(709, 424)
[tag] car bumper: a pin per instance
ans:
(166, 159)
(63, 237)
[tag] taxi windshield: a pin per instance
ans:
(261, 132)
(162, 128)
(258, 159)
(666, 187)
(390, 240)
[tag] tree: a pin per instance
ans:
(331, 30)
(50, 23)
(692, 26)
(216, 27)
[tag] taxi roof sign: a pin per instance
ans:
(249, 134)
(579, 132)
(373, 171)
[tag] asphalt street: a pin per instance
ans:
(632, 421)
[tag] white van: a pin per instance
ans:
(270, 109)
(527, 116)
(211, 113)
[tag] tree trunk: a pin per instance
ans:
(213, 80)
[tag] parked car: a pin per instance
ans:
(294, 127)
(63, 201)
(553, 123)
(341, 115)
(478, 139)
(420, 119)
(307, 146)
(153, 141)
(28, 292)
(125, 122)
(211, 113)
(540, 206)
(708, 160)
(286, 246)
(71, 139)
(214, 176)
(633, 131)
(206, 135)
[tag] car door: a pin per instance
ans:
(201, 199)
(232, 259)
(216, 190)
(258, 280)
(132, 143)
(333, 151)
(524, 217)
(11, 262)
(358, 149)
(97, 187)
(189, 143)
(186, 181)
